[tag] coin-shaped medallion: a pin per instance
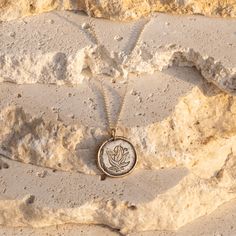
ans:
(117, 157)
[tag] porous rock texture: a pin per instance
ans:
(128, 10)
(118, 10)
(10, 9)
(199, 135)
(191, 198)
(57, 68)
(206, 116)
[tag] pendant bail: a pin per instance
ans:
(113, 133)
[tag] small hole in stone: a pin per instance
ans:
(32, 7)
(5, 166)
(30, 199)
(132, 207)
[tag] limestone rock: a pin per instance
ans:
(191, 198)
(118, 10)
(39, 140)
(57, 68)
(10, 9)
(128, 10)
(199, 135)
(95, 61)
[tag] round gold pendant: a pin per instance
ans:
(117, 157)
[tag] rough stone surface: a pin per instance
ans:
(168, 211)
(57, 68)
(206, 115)
(199, 135)
(15, 9)
(127, 10)
(118, 10)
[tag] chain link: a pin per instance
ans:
(112, 125)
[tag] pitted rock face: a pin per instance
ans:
(118, 10)
(198, 133)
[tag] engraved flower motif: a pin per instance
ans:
(117, 158)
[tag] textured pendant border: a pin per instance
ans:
(99, 162)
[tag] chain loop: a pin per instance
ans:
(113, 133)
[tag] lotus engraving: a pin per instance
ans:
(118, 158)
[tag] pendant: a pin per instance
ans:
(116, 157)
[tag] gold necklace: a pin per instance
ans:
(116, 156)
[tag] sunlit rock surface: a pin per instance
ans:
(179, 114)
(118, 10)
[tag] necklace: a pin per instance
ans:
(116, 156)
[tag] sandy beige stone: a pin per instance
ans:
(95, 61)
(15, 9)
(197, 133)
(118, 10)
(192, 197)
(127, 10)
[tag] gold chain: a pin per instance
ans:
(112, 126)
